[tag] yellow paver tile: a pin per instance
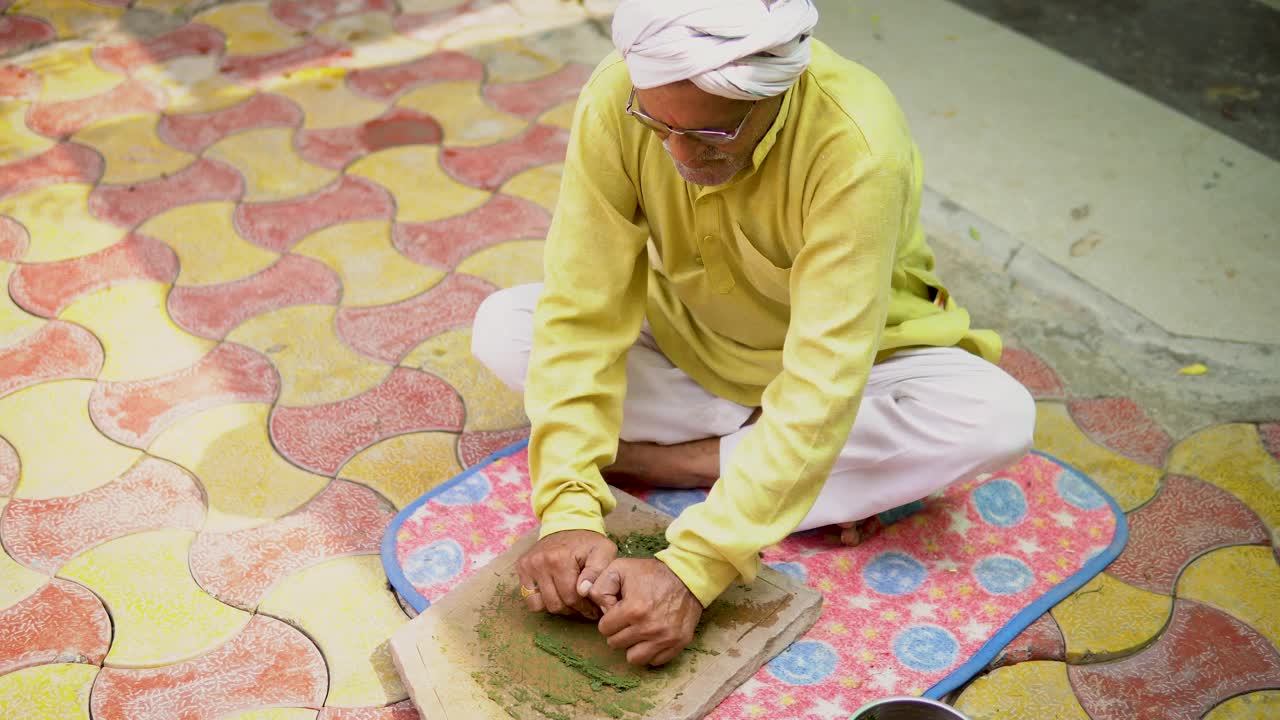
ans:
(325, 99)
(490, 405)
(16, 580)
(539, 185)
(560, 116)
(271, 168)
(1243, 581)
(41, 422)
(250, 28)
(356, 649)
(193, 85)
(246, 481)
(16, 324)
(132, 150)
(373, 272)
(372, 38)
(510, 61)
(274, 714)
(507, 265)
(1026, 691)
(1130, 483)
(58, 220)
(404, 467)
(60, 690)
(68, 17)
(139, 339)
(17, 142)
(1110, 618)
(159, 614)
(315, 366)
(503, 22)
(423, 191)
(70, 74)
(209, 248)
(1233, 458)
(1262, 705)
(465, 116)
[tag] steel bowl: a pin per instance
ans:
(907, 708)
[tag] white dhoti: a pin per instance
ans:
(928, 418)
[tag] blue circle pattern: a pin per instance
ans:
(793, 570)
(926, 648)
(806, 662)
(1001, 503)
(894, 573)
(1003, 575)
(1076, 490)
(435, 563)
(674, 502)
(468, 491)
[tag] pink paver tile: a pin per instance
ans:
(239, 568)
(531, 99)
(1032, 372)
(385, 83)
(488, 167)
(307, 14)
(60, 622)
(387, 332)
(190, 39)
(133, 413)
(400, 711)
(10, 466)
(204, 180)
(269, 664)
(432, 27)
(60, 119)
(46, 289)
(252, 68)
(1203, 657)
(279, 226)
(214, 310)
(1120, 425)
(1042, 640)
(154, 494)
(1270, 434)
(112, 3)
(445, 243)
(14, 239)
(476, 446)
(65, 162)
(18, 83)
(18, 32)
(197, 131)
(57, 351)
(335, 148)
(1186, 518)
(321, 438)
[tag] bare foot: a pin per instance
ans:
(853, 533)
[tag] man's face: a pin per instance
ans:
(684, 106)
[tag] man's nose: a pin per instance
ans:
(687, 152)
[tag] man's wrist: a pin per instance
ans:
(705, 577)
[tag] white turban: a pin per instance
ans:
(739, 49)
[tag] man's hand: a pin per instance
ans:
(559, 569)
(648, 611)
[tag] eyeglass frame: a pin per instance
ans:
(707, 136)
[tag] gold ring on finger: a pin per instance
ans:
(525, 592)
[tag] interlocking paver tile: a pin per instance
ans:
(1233, 458)
(19, 32)
(16, 324)
(47, 289)
(1108, 618)
(63, 163)
(508, 60)
(41, 422)
(202, 181)
(336, 148)
(274, 714)
(238, 568)
(476, 446)
(1032, 372)
(531, 98)
(19, 141)
(69, 73)
(44, 534)
(540, 185)
(372, 39)
(268, 664)
(278, 226)
(10, 466)
(214, 310)
(1026, 691)
(250, 28)
(1270, 434)
(325, 99)
(210, 251)
(1201, 659)
(48, 691)
(385, 83)
(490, 404)
(445, 243)
(1120, 425)
(69, 17)
(18, 83)
(198, 130)
(134, 413)
(58, 222)
(59, 119)
(422, 190)
(246, 482)
(404, 467)
(159, 614)
(254, 68)
(1042, 640)
(1186, 518)
(321, 438)
(190, 39)
(17, 582)
(60, 622)
(132, 150)
(517, 262)
(461, 110)
(400, 711)
(1130, 483)
(194, 85)
(271, 167)
(1242, 581)
(57, 351)
(1261, 705)
(14, 239)
(361, 671)
(307, 14)
(388, 332)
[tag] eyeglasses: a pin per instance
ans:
(710, 137)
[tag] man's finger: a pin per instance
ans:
(529, 589)
(643, 653)
(665, 656)
(626, 637)
(547, 591)
(606, 592)
(594, 564)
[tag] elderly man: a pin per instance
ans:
(737, 295)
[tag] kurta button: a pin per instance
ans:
(697, 259)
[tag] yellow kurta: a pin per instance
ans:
(779, 289)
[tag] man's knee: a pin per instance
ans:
(502, 333)
(1007, 420)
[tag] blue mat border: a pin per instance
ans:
(958, 677)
